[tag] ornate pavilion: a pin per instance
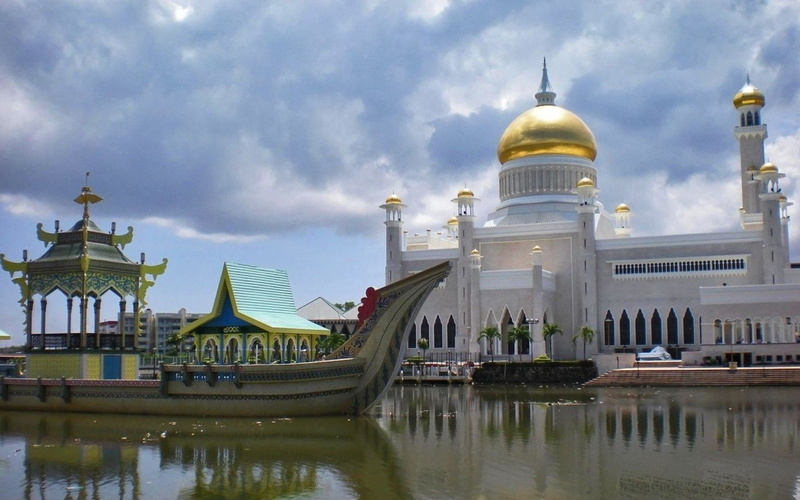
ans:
(254, 319)
(83, 263)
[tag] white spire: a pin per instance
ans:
(545, 96)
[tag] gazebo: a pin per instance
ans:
(83, 263)
(254, 320)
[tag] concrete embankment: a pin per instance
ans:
(685, 377)
(535, 373)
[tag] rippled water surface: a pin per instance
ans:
(427, 442)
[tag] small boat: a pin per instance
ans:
(349, 382)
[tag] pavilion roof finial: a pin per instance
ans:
(87, 197)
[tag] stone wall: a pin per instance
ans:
(536, 373)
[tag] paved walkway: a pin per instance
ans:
(682, 377)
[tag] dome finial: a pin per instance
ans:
(545, 96)
(749, 95)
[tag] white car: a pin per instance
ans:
(657, 354)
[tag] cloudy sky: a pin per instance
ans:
(269, 133)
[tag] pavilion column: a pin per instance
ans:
(29, 323)
(69, 315)
(84, 314)
(97, 305)
(121, 322)
(137, 318)
(43, 307)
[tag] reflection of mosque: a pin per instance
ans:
(634, 445)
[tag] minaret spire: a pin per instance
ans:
(545, 96)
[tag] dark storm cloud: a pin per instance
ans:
(154, 107)
(247, 118)
(464, 144)
(782, 52)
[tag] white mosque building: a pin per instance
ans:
(551, 253)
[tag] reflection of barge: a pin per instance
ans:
(97, 456)
(349, 382)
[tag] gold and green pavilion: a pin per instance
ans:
(84, 263)
(254, 320)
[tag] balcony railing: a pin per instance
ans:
(54, 341)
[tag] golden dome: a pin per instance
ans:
(475, 253)
(782, 198)
(466, 193)
(768, 168)
(453, 220)
(622, 208)
(586, 183)
(546, 129)
(393, 198)
(748, 95)
(537, 248)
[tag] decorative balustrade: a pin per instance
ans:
(55, 341)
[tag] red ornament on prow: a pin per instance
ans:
(367, 306)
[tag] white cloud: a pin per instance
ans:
(18, 204)
(181, 230)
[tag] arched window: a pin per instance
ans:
(437, 333)
(256, 353)
(742, 120)
(672, 328)
(688, 327)
(303, 351)
(609, 328)
(511, 345)
(412, 337)
(749, 118)
(232, 353)
(624, 329)
(276, 352)
(655, 329)
(525, 345)
(210, 351)
(451, 333)
(641, 329)
(758, 118)
(425, 329)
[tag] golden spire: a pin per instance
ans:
(86, 197)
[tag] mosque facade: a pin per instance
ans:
(550, 252)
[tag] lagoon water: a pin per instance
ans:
(427, 442)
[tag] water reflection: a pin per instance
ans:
(427, 442)
(606, 443)
(97, 456)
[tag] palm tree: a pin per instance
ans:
(490, 333)
(331, 342)
(517, 334)
(586, 334)
(173, 342)
(422, 343)
(548, 330)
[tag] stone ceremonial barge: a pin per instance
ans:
(253, 320)
(348, 382)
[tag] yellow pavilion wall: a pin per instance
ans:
(77, 365)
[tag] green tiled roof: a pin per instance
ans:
(97, 251)
(260, 296)
(70, 246)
